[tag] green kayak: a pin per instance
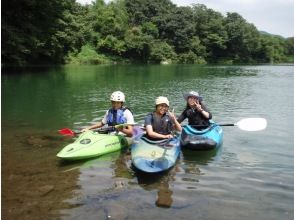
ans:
(92, 144)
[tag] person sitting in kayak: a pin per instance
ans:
(196, 112)
(161, 123)
(117, 114)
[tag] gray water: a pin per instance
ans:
(250, 176)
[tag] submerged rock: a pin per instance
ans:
(116, 211)
(44, 190)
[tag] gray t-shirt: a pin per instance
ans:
(162, 125)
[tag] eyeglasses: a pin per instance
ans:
(163, 106)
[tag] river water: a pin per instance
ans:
(250, 177)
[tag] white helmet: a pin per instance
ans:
(161, 100)
(117, 96)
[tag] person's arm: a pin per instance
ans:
(154, 134)
(203, 110)
(205, 114)
(98, 125)
(182, 117)
(128, 130)
(177, 125)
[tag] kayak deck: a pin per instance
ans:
(207, 139)
(92, 144)
(155, 156)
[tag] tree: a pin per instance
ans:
(161, 51)
(190, 58)
(31, 31)
(111, 19)
(42, 32)
(289, 45)
(176, 28)
(197, 47)
(111, 45)
(151, 29)
(272, 49)
(243, 38)
(138, 44)
(142, 11)
(210, 29)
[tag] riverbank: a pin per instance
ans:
(33, 187)
(88, 55)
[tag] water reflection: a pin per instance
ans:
(123, 168)
(201, 157)
(160, 182)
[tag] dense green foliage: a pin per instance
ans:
(35, 32)
(59, 31)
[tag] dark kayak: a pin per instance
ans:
(206, 139)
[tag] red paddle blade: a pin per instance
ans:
(66, 131)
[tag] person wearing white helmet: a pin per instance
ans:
(196, 112)
(161, 123)
(117, 114)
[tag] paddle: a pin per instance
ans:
(71, 133)
(248, 124)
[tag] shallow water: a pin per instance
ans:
(250, 176)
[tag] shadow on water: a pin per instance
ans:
(201, 157)
(41, 69)
(158, 181)
(116, 157)
(192, 161)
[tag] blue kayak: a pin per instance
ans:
(155, 156)
(206, 139)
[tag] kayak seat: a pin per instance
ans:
(102, 131)
(164, 143)
(195, 130)
(157, 142)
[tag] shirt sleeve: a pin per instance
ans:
(148, 120)
(129, 116)
(104, 120)
(182, 117)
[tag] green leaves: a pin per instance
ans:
(161, 51)
(56, 31)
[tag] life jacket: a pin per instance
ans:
(115, 117)
(197, 119)
(161, 125)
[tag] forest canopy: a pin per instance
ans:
(147, 31)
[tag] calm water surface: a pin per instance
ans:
(250, 177)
